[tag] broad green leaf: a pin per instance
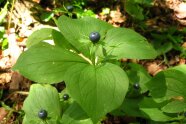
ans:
(38, 36)
(174, 107)
(126, 43)
(130, 107)
(134, 10)
(138, 74)
(163, 48)
(157, 87)
(48, 33)
(42, 97)
(152, 110)
(181, 68)
(166, 85)
(156, 114)
(97, 89)
(77, 31)
(60, 40)
(45, 63)
(161, 43)
(75, 115)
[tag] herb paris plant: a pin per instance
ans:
(97, 85)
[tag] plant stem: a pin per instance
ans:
(88, 60)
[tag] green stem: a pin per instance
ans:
(93, 50)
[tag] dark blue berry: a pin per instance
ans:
(65, 96)
(42, 114)
(94, 37)
(70, 8)
(136, 86)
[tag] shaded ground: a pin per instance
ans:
(14, 87)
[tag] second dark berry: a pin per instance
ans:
(65, 96)
(136, 86)
(42, 114)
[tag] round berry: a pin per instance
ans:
(70, 8)
(136, 86)
(65, 96)
(42, 114)
(94, 37)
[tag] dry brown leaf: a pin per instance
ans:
(5, 78)
(16, 80)
(182, 61)
(117, 17)
(37, 1)
(172, 3)
(153, 68)
(3, 113)
(5, 63)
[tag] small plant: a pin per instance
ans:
(135, 8)
(169, 39)
(74, 9)
(96, 83)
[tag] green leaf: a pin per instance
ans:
(48, 33)
(126, 43)
(42, 97)
(77, 31)
(4, 44)
(134, 10)
(138, 74)
(70, 116)
(163, 48)
(38, 36)
(130, 107)
(155, 114)
(157, 87)
(181, 68)
(45, 63)
(60, 40)
(174, 107)
(89, 13)
(97, 89)
(152, 110)
(161, 43)
(166, 85)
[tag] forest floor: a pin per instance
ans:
(21, 23)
